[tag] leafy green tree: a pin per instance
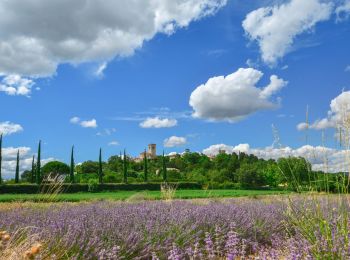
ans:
(145, 167)
(26, 176)
(100, 171)
(125, 168)
(55, 168)
(0, 158)
(38, 165)
(72, 166)
(249, 176)
(295, 171)
(89, 167)
(17, 168)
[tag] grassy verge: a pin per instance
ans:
(148, 195)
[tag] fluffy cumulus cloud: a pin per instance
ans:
(157, 122)
(321, 158)
(38, 35)
(9, 155)
(338, 115)
(15, 85)
(235, 96)
(84, 123)
(343, 11)
(275, 27)
(8, 128)
(175, 141)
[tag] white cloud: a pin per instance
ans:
(75, 120)
(89, 123)
(235, 96)
(84, 123)
(7, 128)
(157, 122)
(321, 158)
(38, 35)
(343, 11)
(338, 114)
(113, 143)
(15, 85)
(174, 141)
(9, 160)
(99, 73)
(275, 27)
(347, 68)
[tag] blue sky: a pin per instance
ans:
(153, 73)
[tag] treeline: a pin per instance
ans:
(223, 171)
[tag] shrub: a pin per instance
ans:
(78, 187)
(93, 185)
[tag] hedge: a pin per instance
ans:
(74, 188)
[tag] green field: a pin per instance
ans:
(137, 195)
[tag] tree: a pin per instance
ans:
(100, 172)
(55, 168)
(89, 167)
(72, 165)
(145, 167)
(17, 168)
(125, 168)
(165, 177)
(0, 158)
(26, 176)
(38, 165)
(33, 170)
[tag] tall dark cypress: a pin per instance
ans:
(17, 168)
(165, 177)
(0, 158)
(33, 170)
(100, 173)
(38, 165)
(145, 166)
(125, 168)
(72, 166)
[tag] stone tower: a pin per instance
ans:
(152, 150)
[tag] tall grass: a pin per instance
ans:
(322, 220)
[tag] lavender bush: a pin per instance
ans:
(230, 229)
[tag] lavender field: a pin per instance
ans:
(269, 228)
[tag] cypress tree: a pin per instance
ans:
(0, 158)
(33, 170)
(100, 173)
(72, 165)
(17, 168)
(165, 177)
(125, 168)
(38, 165)
(145, 167)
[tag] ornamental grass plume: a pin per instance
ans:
(168, 191)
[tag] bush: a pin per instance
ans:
(77, 187)
(93, 185)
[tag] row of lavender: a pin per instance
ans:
(250, 229)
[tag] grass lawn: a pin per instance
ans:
(137, 195)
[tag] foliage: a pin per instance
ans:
(38, 165)
(56, 168)
(84, 187)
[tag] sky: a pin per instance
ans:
(198, 74)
